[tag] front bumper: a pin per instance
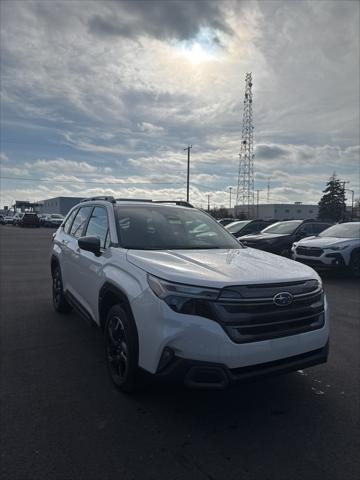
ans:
(328, 260)
(196, 374)
(199, 339)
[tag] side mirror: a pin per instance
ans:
(300, 234)
(90, 244)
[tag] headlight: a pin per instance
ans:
(163, 289)
(336, 247)
(187, 299)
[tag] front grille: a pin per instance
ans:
(256, 317)
(309, 251)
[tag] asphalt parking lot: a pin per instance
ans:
(62, 419)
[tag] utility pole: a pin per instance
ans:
(208, 196)
(268, 190)
(188, 172)
(230, 188)
(257, 203)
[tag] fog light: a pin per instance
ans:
(165, 358)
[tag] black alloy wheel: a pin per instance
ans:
(117, 350)
(121, 350)
(355, 264)
(59, 301)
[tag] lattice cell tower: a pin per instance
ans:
(245, 188)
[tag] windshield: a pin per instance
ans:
(54, 215)
(286, 228)
(169, 228)
(342, 230)
(236, 226)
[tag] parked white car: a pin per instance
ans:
(175, 302)
(53, 220)
(337, 246)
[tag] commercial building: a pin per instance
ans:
(278, 211)
(58, 204)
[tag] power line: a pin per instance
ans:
(90, 181)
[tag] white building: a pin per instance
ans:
(278, 211)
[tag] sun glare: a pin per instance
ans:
(196, 54)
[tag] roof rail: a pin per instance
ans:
(176, 202)
(133, 200)
(100, 197)
(181, 203)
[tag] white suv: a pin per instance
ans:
(178, 297)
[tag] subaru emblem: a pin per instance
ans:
(282, 299)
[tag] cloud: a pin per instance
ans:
(61, 165)
(270, 151)
(162, 20)
(101, 91)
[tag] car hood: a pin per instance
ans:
(325, 241)
(219, 268)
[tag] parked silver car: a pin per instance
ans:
(337, 246)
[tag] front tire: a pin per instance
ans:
(60, 303)
(355, 264)
(122, 351)
(286, 253)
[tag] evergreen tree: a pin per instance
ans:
(332, 204)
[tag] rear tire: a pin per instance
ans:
(122, 351)
(60, 303)
(355, 264)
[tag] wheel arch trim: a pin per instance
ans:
(110, 288)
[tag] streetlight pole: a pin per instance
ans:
(230, 188)
(344, 210)
(188, 173)
(352, 201)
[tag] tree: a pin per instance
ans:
(332, 204)
(221, 212)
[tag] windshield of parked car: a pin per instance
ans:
(236, 226)
(55, 215)
(170, 228)
(286, 228)
(342, 230)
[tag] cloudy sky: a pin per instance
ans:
(102, 97)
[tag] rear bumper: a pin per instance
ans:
(205, 375)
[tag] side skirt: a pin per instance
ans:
(81, 310)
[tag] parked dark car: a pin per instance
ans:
(29, 219)
(246, 227)
(42, 217)
(279, 237)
